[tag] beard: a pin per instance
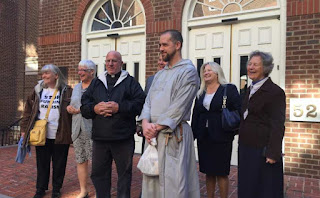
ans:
(168, 56)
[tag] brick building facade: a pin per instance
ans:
(302, 139)
(59, 26)
(18, 40)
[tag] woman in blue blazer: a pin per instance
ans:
(214, 143)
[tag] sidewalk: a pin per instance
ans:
(19, 180)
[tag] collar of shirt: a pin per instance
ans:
(112, 79)
(117, 75)
(254, 87)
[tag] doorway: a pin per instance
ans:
(230, 45)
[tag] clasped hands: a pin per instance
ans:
(151, 130)
(106, 108)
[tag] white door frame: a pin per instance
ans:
(86, 33)
(281, 12)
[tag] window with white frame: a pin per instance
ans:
(219, 7)
(118, 14)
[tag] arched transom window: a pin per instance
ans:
(217, 7)
(118, 14)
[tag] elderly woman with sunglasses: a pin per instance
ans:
(81, 127)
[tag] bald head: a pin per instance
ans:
(113, 62)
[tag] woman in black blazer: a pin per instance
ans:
(214, 143)
(261, 132)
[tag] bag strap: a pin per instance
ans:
(50, 104)
(224, 98)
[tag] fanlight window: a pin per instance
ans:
(118, 14)
(217, 7)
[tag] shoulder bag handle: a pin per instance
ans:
(50, 104)
(224, 98)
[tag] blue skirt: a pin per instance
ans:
(256, 178)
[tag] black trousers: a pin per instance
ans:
(103, 153)
(58, 153)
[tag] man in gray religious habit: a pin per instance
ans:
(164, 116)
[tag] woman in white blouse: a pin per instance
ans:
(214, 143)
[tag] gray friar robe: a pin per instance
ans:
(169, 103)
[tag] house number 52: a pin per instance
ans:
(311, 109)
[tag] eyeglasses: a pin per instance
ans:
(111, 61)
(83, 70)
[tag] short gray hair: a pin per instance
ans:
(61, 81)
(267, 61)
(89, 64)
(216, 68)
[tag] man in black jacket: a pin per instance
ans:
(112, 101)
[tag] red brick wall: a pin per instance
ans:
(163, 18)
(62, 55)
(302, 7)
(60, 25)
(15, 35)
(8, 41)
(56, 17)
(31, 31)
(59, 43)
(302, 139)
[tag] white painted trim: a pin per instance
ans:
(186, 13)
(279, 11)
(87, 23)
(283, 43)
(125, 31)
(261, 11)
(271, 13)
(188, 22)
(31, 65)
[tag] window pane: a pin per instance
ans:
(198, 12)
(124, 66)
(99, 26)
(134, 16)
(108, 9)
(199, 64)
(243, 76)
(64, 71)
(213, 7)
(119, 14)
(136, 71)
(217, 60)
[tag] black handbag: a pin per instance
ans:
(230, 119)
